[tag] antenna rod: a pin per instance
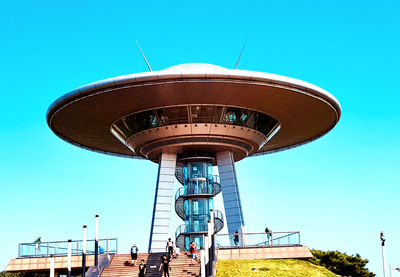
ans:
(148, 65)
(241, 52)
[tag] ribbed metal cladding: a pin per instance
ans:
(159, 232)
(230, 192)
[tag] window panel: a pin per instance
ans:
(135, 123)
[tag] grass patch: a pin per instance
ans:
(278, 268)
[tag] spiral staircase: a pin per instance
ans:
(183, 193)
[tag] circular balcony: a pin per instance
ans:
(202, 190)
(197, 229)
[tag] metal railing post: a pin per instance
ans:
(69, 261)
(272, 239)
(96, 243)
(84, 251)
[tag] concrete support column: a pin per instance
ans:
(162, 203)
(230, 193)
(52, 267)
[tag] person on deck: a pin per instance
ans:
(236, 238)
(134, 253)
(269, 236)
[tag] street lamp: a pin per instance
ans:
(383, 253)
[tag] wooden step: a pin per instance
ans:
(121, 266)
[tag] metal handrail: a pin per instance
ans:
(202, 227)
(259, 239)
(258, 233)
(60, 248)
(214, 179)
(183, 229)
(179, 192)
(218, 214)
(212, 189)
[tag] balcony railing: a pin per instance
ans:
(199, 228)
(247, 240)
(60, 248)
(191, 189)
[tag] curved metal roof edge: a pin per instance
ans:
(171, 73)
(212, 72)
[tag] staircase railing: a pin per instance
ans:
(212, 189)
(194, 228)
(218, 221)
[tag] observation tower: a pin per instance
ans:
(189, 118)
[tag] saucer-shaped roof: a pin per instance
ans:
(84, 116)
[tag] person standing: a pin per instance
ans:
(236, 238)
(142, 269)
(165, 266)
(269, 236)
(192, 249)
(170, 247)
(177, 251)
(134, 253)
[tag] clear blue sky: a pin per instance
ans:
(339, 191)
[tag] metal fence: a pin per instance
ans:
(258, 239)
(60, 248)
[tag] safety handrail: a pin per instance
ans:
(219, 215)
(189, 190)
(60, 248)
(259, 239)
(191, 229)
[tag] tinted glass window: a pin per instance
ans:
(136, 123)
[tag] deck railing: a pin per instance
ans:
(258, 239)
(60, 248)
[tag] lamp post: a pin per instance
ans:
(84, 251)
(96, 243)
(383, 253)
(69, 259)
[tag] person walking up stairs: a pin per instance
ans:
(120, 266)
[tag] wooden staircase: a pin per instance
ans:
(120, 266)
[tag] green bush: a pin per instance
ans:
(341, 263)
